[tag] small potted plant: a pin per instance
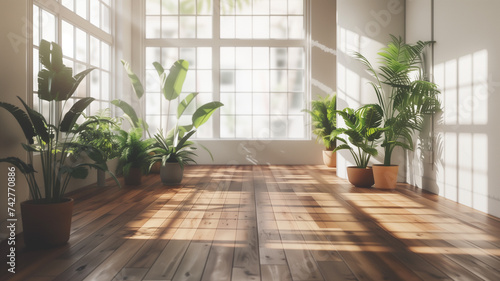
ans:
(134, 155)
(101, 135)
(405, 96)
(324, 121)
(47, 216)
(363, 131)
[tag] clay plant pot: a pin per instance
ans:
(46, 225)
(386, 177)
(360, 177)
(134, 177)
(171, 174)
(155, 169)
(330, 158)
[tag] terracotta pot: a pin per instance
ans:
(155, 169)
(171, 174)
(134, 177)
(360, 177)
(386, 177)
(330, 158)
(46, 225)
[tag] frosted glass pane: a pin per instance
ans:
(169, 57)
(296, 58)
(81, 91)
(243, 126)
(296, 7)
(153, 7)
(227, 81)
(278, 126)
(105, 88)
(244, 7)
(95, 84)
(279, 103)
(187, 27)
(243, 103)
(227, 26)
(189, 54)
(261, 58)
(243, 27)
(36, 25)
(152, 55)
(204, 7)
(295, 103)
(279, 27)
(95, 107)
(68, 4)
(204, 25)
(48, 26)
(154, 122)
(227, 128)
(296, 27)
(261, 27)
(68, 40)
(279, 58)
(227, 58)
(105, 56)
(105, 19)
(36, 69)
(296, 127)
(244, 58)
(81, 47)
(204, 81)
(187, 7)
(81, 8)
(261, 127)
(243, 80)
(169, 7)
(260, 103)
(296, 80)
(228, 99)
(261, 7)
(227, 7)
(190, 82)
(278, 7)
(261, 80)
(152, 84)
(153, 27)
(204, 58)
(95, 14)
(153, 103)
(95, 51)
(279, 81)
(169, 27)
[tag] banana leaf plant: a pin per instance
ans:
(324, 118)
(403, 92)
(363, 131)
(54, 141)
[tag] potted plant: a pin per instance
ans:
(324, 121)
(134, 155)
(47, 216)
(101, 135)
(363, 131)
(405, 96)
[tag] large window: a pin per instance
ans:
(249, 54)
(85, 44)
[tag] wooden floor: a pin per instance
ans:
(266, 223)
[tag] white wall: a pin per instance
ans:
(462, 166)
(363, 26)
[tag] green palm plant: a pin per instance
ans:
(134, 151)
(324, 119)
(403, 92)
(168, 152)
(363, 131)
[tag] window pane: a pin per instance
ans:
(227, 27)
(95, 51)
(228, 99)
(204, 58)
(227, 7)
(279, 126)
(204, 7)
(187, 7)
(81, 8)
(105, 19)
(204, 81)
(295, 27)
(227, 128)
(261, 127)
(261, 27)
(95, 14)
(244, 127)
(279, 27)
(81, 47)
(95, 84)
(243, 27)
(261, 103)
(261, 81)
(68, 39)
(105, 56)
(261, 58)
(244, 7)
(169, 27)
(36, 25)
(152, 55)
(227, 81)
(68, 4)
(279, 103)
(296, 127)
(243, 80)
(243, 103)
(244, 58)
(105, 86)
(296, 7)
(204, 27)
(153, 27)
(48, 26)
(261, 7)
(227, 58)
(153, 7)
(295, 103)
(169, 7)
(189, 54)
(187, 27)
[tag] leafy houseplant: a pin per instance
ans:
(53, 141)
(405, 96)
(134, 155)
(363, 131)
(324, 118)
(101, 135)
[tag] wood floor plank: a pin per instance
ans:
(234, 223)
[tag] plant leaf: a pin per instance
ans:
(23, 120)
(203, 113)
(74, 113)
(136, 82)
(38, 121)
(184, 104)
(172, 85)
(128, 110)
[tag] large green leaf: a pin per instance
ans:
(78, 79)
(74, 113)
(38, 121)
(172, 85)
(23, 120)
(20, 164)
(184, 104)
(57, 58)
(203, 113)
(44, 54)
(128, 110)
(136, 82)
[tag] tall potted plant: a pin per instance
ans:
(47, 216)
(405, 96)
(324, 121)
(363, 131)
